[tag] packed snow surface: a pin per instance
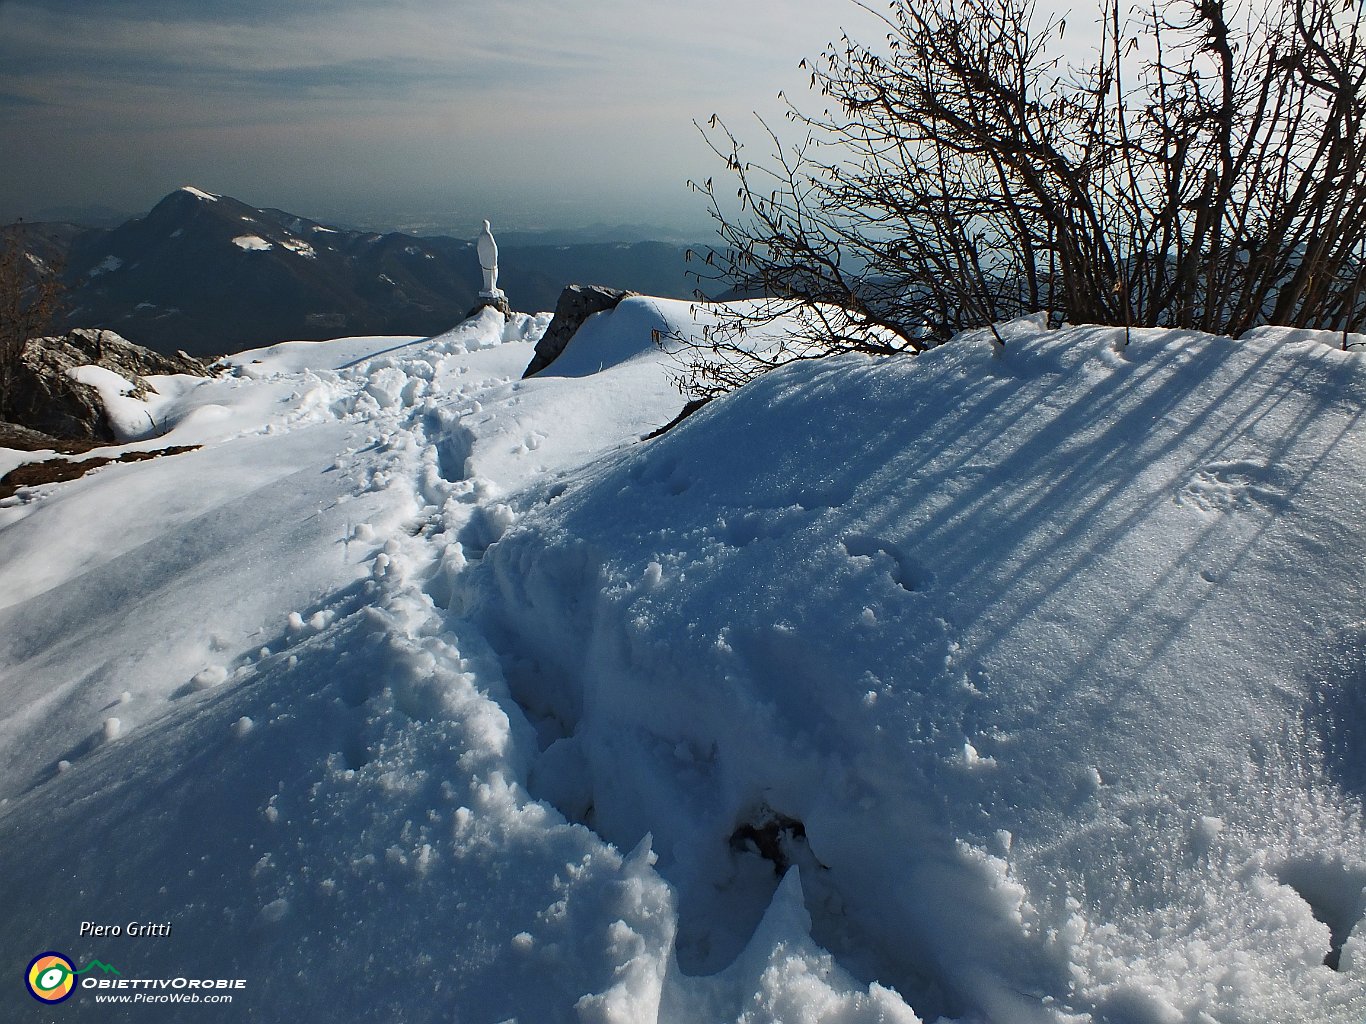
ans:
(994, 685)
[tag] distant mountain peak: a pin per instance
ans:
(188, 198)
(209, 273)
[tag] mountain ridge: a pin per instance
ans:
(207, 274)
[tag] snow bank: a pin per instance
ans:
(981, 686)
(997, 636)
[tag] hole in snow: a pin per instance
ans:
(355, 755)
(484, 528)
(656, 471)
(902, 569)
(560, 776)
(741, 531)
(551, 710)
(820, 497)
(452, 454)
(353, 689)
(718, 915)
(1336, 895)
(773, 837)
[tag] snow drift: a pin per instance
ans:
(987, 686)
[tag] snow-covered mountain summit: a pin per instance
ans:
(1019, 685)
(210, 274)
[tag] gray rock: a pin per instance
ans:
(43, 397)
(500, 303)
(577, 303)
(23, 439)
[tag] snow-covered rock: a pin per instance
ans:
(576, 304)
(90, 385)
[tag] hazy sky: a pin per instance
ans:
(537, 112)
(534, 112)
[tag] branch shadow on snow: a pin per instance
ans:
(1335, 716)
(904, 479)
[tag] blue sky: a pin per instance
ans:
(535, 112)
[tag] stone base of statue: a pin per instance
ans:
(496, 299)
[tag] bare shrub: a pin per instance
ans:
(1204, 170)
(30, 297)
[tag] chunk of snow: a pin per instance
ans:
(973, 759)
(207, 679)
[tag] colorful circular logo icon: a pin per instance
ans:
(50, 978)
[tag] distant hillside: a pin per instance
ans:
(209, 274)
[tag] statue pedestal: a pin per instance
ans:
(494, 298)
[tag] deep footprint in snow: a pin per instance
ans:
(453, 450)
(1336, 895)
(742, 530)
(903, 569)
(666, 473)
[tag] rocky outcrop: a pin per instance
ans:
(24, 439)
(42, 396)
(499, 302)
(577, 303)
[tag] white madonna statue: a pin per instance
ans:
(488, 262)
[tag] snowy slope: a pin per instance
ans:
(986, 686)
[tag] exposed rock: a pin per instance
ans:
(499, 302)
(43, 397)
(59, 470)
(23, 439)
(577, 303)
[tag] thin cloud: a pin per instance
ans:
(417, 97)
